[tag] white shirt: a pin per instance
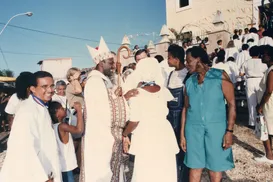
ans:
(32, 153)
(266, 41)
(177, 78)
(13, 104)
(231, 52)
(246, 37)
(254, 68)
(234, 71)
(238, 44)
(241, 58)
(222, 66)
(66, 151)
(255, 37)
(61, 99)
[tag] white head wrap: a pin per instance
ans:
(147, 70)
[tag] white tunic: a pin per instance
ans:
(32, 153)
(266, 41)
(231, 52)
(234, 71)
(67, 153)
(241, 58)
(153, 142)
(98, 140)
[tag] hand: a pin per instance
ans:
(126, 144)
(77, 106)
(227, 141)
(76, 75)
(259, 109)
(183, 144)
(118, 91)
(131, 93)
(50, 180)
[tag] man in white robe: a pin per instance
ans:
(98, 140)
(243, 56)
(32, 153)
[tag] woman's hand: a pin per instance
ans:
(126, 144)
(183, 144)
(131, 93)
(77, 106)
(227, 141)
(76, 76)
(259, 109)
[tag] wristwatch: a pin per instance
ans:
(227, 130)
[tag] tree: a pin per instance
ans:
(6, 73)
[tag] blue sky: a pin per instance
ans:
(88, 19)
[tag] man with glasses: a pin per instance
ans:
(32, 153)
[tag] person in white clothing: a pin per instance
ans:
(220, 62)
(242, 56)
(266, 40)
(103, 160)
(253, 34)
(153, 141)
(22, 91)
(254, 70)
(64, 138)
(233, 70)
(265, 105)
(231, 50)
(246, 36)
(237, 42)
(32, 153)
(59, 96)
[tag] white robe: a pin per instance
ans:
(266, 41)
(98, 140)
(32, 152)
(241, 58)
(231, 52)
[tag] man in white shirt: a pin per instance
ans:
(243, 56)
(254, 70)
(32, 153)
(22, 85)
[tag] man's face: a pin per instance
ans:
(44, 89)
(108, 67)
(191, 63)
(240, 32)
(141, 56)
(61, 90)
(171, 60)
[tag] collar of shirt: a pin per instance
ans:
(105, 78)
(39, 101)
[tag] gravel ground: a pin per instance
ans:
(245, 148)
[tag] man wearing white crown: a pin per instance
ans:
(106, 116)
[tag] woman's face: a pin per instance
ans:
(61, 90)
(191, 63)
(61, 113)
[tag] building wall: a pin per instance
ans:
(198, 17)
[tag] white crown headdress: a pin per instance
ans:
(101, 53)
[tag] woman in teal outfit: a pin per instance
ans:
(206, 135)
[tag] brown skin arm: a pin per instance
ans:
(183, 121)
(267, 93)
(132, 125)
(228, 91)
(64, 128)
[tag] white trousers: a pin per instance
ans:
(252, 86)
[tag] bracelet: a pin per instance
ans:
(227, 130)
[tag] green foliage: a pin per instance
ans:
(6, 73)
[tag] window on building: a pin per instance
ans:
(183, 3)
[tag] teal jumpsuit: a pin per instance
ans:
(206, 124)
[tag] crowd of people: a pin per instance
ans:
(159, 120)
